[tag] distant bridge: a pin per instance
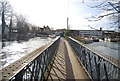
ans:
(62, 60)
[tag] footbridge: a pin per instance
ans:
(61, 60)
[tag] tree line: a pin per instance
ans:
(12, 23)
(15, 26)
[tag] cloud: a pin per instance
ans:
(78, 22)
(88, 15)
(54, 13)
(43, 12)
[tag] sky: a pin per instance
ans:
(54, 13)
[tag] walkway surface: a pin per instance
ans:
(66, 65)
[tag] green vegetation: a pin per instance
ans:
(66, 34)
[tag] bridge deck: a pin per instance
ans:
(66, 65)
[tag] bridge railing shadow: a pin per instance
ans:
(57, 72)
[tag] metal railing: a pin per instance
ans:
(97, 66)
(33, 68)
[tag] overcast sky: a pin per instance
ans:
(54, 13)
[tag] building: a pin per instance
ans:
(44, 31)
(47, 30)
(91, 33)
(74, 32)
(109, 34)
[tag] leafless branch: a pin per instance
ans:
(113, 12)
(92, 27)
(97, 5)
(93, 18)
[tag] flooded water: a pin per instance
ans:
(14, 50)
(108, 48)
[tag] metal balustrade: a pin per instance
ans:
(99, 67)
(32, 67)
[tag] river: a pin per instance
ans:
(14, 50)
(108, 48)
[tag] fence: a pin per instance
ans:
(98, 67)
(34, 68)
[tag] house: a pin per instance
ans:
(47, 30)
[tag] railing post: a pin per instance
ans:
(97, 69)
(85, 60)
(90, 64)
(37, 70)
(106, 74)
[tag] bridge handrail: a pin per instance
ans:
(23, 67)
(102, 55)
(96, 62)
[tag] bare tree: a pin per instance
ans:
(111, 9)
(10, 26)
(5, 11)
(22, 27)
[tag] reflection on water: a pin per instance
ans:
(108, 48)
(14, 50)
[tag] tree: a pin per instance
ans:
(111, 9)
(20, 20)
(10, 25)
(10, 29)
(5, 9)
(22, 27)
(34, 30)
